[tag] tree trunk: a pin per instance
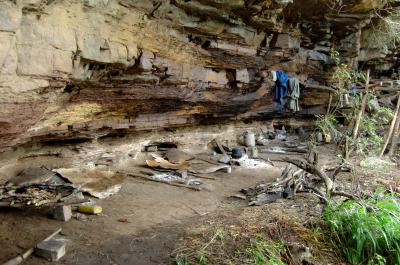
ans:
(392, 125)
(395, 139)
(362, 109)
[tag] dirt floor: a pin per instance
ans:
(153, 217)
(147, 221)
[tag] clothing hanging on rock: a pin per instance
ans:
(294, 94)
(286, 88)
(281, 89)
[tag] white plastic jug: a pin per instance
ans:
(249, 139)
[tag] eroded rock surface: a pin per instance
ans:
(83, 69)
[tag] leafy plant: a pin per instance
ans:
(343, 75)
(327, 124)
(264, 253)
(367, 232)
(369, 140)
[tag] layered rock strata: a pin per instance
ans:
(76, 70)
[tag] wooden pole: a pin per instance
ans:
(166, 182)
(392, 125)
(362, 108)
(329, 103)
(395, 138)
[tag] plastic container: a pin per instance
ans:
(249, 139)
(236, 153)
(90, 209)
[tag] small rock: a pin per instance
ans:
(253, 152)
(224, 159)
(228, 170)
(152, 148)
(319, 137)
(236, 153)
(377, 163)
(182, 173)
(52, 249)
(63, 213)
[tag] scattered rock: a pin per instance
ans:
(377, 163)
(52, 249)
(62, 213)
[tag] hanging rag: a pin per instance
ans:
(281, 89)
(273, 73)
(294, 94)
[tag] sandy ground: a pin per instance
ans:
(156, 216)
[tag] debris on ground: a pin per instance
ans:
(36, 175)
(51, 250)
(299, 176)
(177, 156)
(170, 179)
(89, 209)
(36, 195)
(202, 167)
(98, 183)
(62, 213)
(160, 162)
(20, 258)
(376, 163)
(246, 162)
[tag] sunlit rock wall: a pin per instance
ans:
(78, 70)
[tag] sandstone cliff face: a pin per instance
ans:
(78, 70)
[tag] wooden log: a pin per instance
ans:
(313, 169)
(219, 146)
(362, 108)
(307, 85)
(329, 103)
(395, 138)
(392, 125)
(166, 182)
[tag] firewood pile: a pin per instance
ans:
(37, 195)
(299, 176)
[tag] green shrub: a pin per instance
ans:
(367, 232)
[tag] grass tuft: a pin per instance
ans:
(367, 232)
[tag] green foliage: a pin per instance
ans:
(367, 232)
(384, 33)
(343, 74)
(326, 123)
(181, 261)
(264, 253)
(369, 140)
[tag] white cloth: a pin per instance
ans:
(274, 77)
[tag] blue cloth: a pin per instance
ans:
(281, 89)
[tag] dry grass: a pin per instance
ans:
(278, 233)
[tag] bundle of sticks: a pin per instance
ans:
(299, 176)
(36, 195)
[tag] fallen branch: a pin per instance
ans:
(306, 179)
(362, 108)
(166, 182)
(313, 169)
(392, 125)
(396, 134)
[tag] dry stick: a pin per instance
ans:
(395, 138)
(330, 103)
(313, 169)
(201, 177)
(169, 183)
(389, 136)
(363, 105)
